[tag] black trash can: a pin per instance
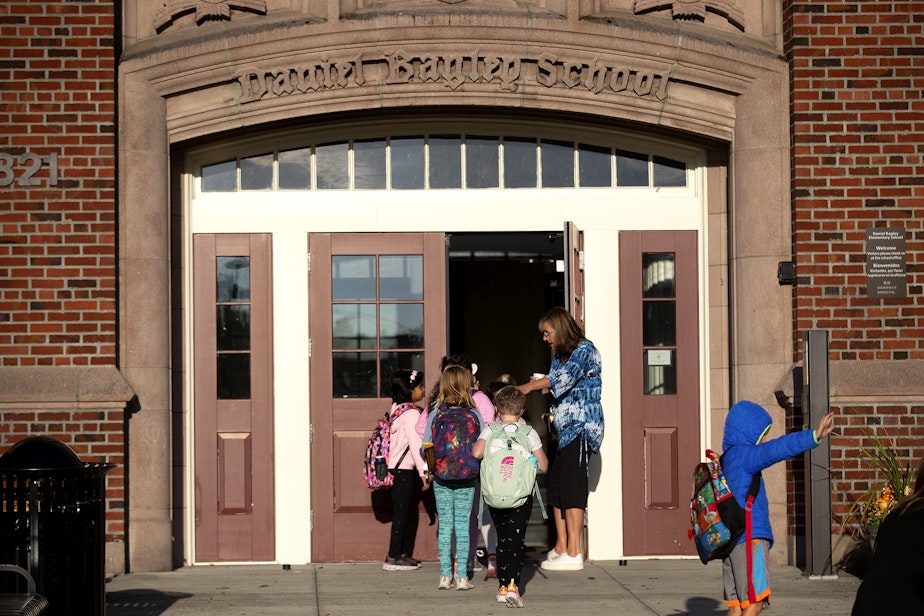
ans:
(52, 524)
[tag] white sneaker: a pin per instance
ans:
(564, 563)
(462, 583)
(446, 582)
(552, 554)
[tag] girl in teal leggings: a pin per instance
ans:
(453, 429)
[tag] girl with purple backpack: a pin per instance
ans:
(452, 428)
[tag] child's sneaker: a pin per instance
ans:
(502, 594)
(513, 597)
(445, 582)
(463, 584)
(492, 566)
(411, 561)
(398, 564)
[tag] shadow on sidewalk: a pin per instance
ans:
(141, 602)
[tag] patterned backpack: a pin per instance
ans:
(375, 465)
(454, 432)
(508, 476)
(718, 520)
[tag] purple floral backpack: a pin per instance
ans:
(455, 430)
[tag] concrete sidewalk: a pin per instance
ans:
(639, 588)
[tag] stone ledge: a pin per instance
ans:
(875, 382)
(31, 386)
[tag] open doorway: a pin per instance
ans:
(499, 286)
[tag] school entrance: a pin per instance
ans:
(383, 251)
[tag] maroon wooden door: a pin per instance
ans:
(378, 304)
(659, 352)
(233, 376)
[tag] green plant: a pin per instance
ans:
(872, 507)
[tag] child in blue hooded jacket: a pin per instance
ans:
(745, 572)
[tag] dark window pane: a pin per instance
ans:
(233, 279)
(659, 325)
(407, 163)
(369, 164)
(220, 177)
(520, 163)
(669, 172)
(631, 169)
(481, 162)
(401, 326)
(594, 166)
(658, 274)
(353, 277)
(660, 372)
(257, 172)
(333, 164)
(233, 325)
(401, 277)
(233, 376)
(392, 362)
(354, 375)
(295, 169)
(446, 162)
(353, 326)
(557, 164)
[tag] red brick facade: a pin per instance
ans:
(857, 127)
(58, 303)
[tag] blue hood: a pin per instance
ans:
(745, 424)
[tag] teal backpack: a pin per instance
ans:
(508, 476)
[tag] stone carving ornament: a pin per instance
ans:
(695, 9)
(205, 9)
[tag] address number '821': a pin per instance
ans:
(24, 169)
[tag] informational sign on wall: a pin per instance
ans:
(886, 275)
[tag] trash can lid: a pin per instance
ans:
(39, 453)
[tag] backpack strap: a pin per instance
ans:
(401, 459)
(748, 525)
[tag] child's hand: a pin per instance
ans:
(426, 482)
(825, 426)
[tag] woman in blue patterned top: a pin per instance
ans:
(574, 383)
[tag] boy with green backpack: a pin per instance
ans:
(511, 453)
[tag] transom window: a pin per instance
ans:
(433, 162)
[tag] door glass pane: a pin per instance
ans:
(594, 166)
(354, 375)
(481, 162)
(295, 169)
(658, 274)
(222, 176)
(233, 327)
(407, 163)
(233, 376)
(520, 163)
(631, 169)
(369, 164)
(660, 372)
(257, 172)
(401, 326)
(353, 277)
(333, 165)
(557, 164)
(353, 326)
(446, 162)
(659, 323)
(669, 172)
(233, 279)
(401, 277)
(392, 362)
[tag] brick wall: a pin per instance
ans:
(857, 127)
(57, 241)
(58, 225)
